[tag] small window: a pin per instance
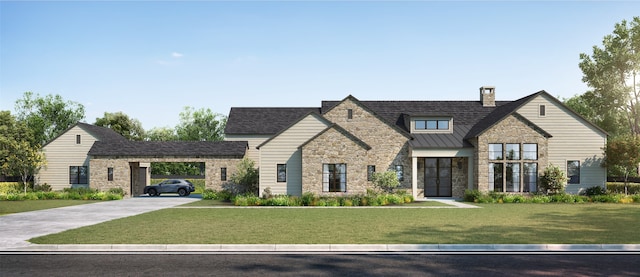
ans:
(400, 172)
(543, 110)
(495, 151)
(282, 172)
(110, 174)
(78, 139)
(223, 174)
(573, 172)
(350, 114)
(421, 125)
(530, 151)
(370, 170)
(513, 151)
(443, 124)
(432, 124)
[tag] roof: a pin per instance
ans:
(169, 148)
(342, 131)
(454, 140)
(263, 121)
(98, 132)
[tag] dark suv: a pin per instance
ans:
(182, 187)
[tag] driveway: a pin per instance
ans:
(16, 229)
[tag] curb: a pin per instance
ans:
(324, 248)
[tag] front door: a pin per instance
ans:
(437, 177)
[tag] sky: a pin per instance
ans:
(151, 59)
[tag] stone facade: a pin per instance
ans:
(512, 129)
(125, 171)
(333, 147)
(388, 146)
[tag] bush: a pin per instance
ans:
(10, 187)
(117, 191)
(387, 181)
(308, 198)
(595, 190)
(553, 180)
(471, 195)
(633, 188)
(44, 187)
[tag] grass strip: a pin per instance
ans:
(10, 207)
(591, 223)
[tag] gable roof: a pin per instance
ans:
(263, 121)
(128, 148)
(344, 132)
(98, 132)
(326, 121)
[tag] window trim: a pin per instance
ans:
(542, 110)
(504, 162)
(570, 180)
(110, 174)
(278, 168)
(431, 125)
(77, 179)
(349, 113)
(328, 176)
(489, 151)
(78, 139)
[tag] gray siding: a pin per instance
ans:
(62, 153)
(283, 149)
(573, 139)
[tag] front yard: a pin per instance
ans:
(588, 223)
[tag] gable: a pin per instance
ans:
(299, 131)
(336, 133)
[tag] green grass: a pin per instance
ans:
(10, 207)
(493, 223)
(215, 203)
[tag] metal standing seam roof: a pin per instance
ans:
(170, 148)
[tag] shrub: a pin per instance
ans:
(595, 190)
(633, 188)
(471, 195)
(44, 187)
(553, 180)
(387, 181)
(209, 194)
(9, 187)
(118, 191)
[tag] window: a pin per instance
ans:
(530, 151)
(78, 139)
(110, 174)
(513, 177)
(350, 114)
(400, 172)
(543, 110)
(432, 125)
(223, 174)
(530, 181)
(495, 177)
(78, 175)
(513, 151)
(334, 177)
(370, 170)
(573, 172)
(282, 172)
(495, 151)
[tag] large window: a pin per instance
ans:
(512, 170)
(282, 172)
(78, 175)
(334, 177)
(573, 172)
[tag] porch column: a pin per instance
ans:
(414, 177)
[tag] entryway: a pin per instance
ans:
(437, 177)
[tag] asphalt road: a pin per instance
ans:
(318, 265)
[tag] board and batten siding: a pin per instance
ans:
(63, 152)
(283, 149)
(253, 141)
(573, 138)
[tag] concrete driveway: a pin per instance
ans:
(16, 229)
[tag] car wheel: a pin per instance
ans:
(152, 192)
(182, 192)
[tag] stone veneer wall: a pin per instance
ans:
(388, 147)
(332, 147)
(510, 130)
(122, 172)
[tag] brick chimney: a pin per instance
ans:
(488, 96)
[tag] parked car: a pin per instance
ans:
(180, 186)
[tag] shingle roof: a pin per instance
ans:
(263, 121)
(498, 114)
(169, 148)
(100, 133)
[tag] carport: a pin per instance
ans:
(127, 164)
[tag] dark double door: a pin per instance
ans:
(437, 177)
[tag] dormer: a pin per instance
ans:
(431, 124)
(488, 96)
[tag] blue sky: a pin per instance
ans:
(150, 59)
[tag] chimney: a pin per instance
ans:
(488, 96)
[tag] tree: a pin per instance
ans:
(612, 121)
(47, 116)
(611, 72)
(622, 156)
(129, 128)
(161, 134)
(201, 125)
(19, 155)
(246, 177)
(553, 180)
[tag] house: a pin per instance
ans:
(436, 148)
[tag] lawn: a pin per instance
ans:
(592, 223)
(214, 203)
(10, 207)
